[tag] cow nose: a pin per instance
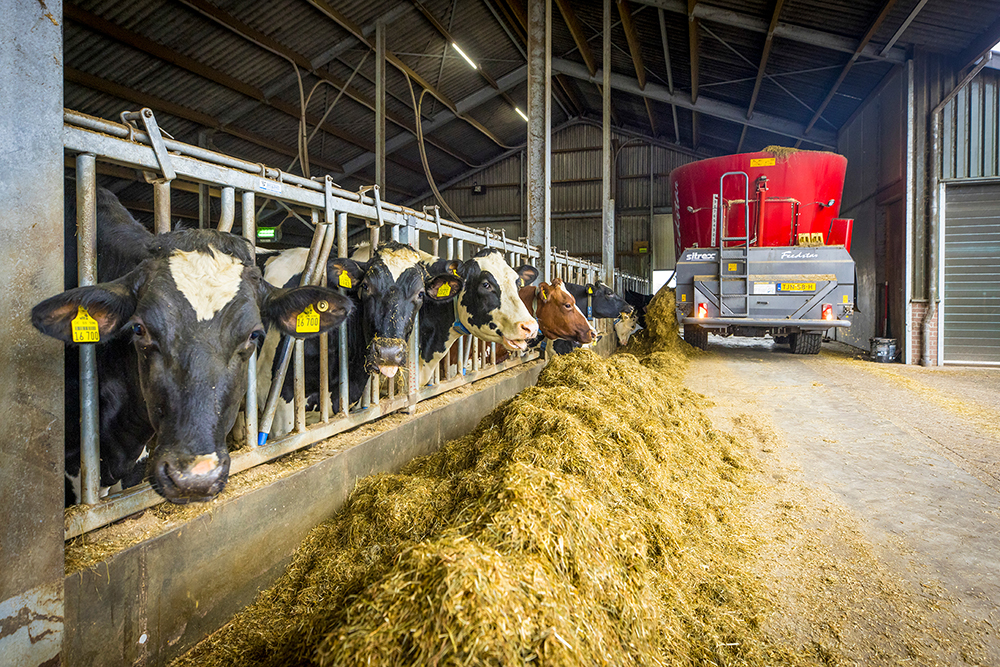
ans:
(527, 329)
(388, 354)
(199, 478)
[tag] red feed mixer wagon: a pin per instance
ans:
(760, 249)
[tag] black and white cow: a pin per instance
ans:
(387, 290)
(177, 316)
(488, 307)
(640, 302)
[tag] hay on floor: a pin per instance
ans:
(590, 520)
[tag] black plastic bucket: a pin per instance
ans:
(883, 350)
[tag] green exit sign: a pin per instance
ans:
(268, 234)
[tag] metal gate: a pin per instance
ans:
(92, 140)
(970, 308)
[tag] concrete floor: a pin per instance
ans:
(911, 454)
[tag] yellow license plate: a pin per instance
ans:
(798, 287)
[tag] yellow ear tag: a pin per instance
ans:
(590, 290)
(543, 294)
(444, 290)
(84, 327)
(307, 321)
(345, 279)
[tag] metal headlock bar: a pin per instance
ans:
(146, 149)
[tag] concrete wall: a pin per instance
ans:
(31, 393)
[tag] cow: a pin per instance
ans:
(556, 312)
(176, 318)
(640, 302)
(488, 307)
(596, 300)
(388, 291)
(626, 325)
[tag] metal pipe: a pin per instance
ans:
(228, 195)
(161, 207)
(284, 352)
(344, 387)
(299, 378)
(324, 338)
(86, 263)
(250, 233)
(934, 212)
(607, 204)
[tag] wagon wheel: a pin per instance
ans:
(696, 336)
(805, 343)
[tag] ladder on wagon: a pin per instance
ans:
(734, 261)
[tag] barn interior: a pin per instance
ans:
(439, 103)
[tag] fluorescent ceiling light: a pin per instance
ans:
(521, 114)
(462, 53)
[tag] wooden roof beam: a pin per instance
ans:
(142, 43)
(788, 31)
(328, 10)
(635, 50)
(875, 25)
(579, 38)
(451, 40)
(272, 45)
(705, 105)
(670, 73)
(693, 55)
(156, 103)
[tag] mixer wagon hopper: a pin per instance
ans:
(761, 249)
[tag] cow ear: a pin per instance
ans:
(527, 273)
(305, 311)
(346, 273)
(544, 292)
(443, 287)
(91, 314)
(452, 266)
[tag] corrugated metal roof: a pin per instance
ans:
(208, 57)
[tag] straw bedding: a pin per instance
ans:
(591, 520)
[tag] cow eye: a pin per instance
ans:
(487, 286)
(421, 294)
(138, 330)
(256, 337)
(568, 306)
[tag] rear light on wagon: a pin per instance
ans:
(702, 311)
(827, 311)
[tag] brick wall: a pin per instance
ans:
(917, 332)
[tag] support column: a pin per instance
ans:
(607, 204)
(32, 485)
(539, 151)
(380, 106)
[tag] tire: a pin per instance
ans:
(805, 343)
(696, 336)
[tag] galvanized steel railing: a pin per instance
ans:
(329, 206)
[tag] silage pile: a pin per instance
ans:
(590, 520)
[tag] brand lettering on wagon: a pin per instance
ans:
(798, 254)
(700, 257)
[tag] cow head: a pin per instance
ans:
(626, 324)
(603, 300)
(558, 315)
(195, 311)
(392, 286)
(489, 306)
